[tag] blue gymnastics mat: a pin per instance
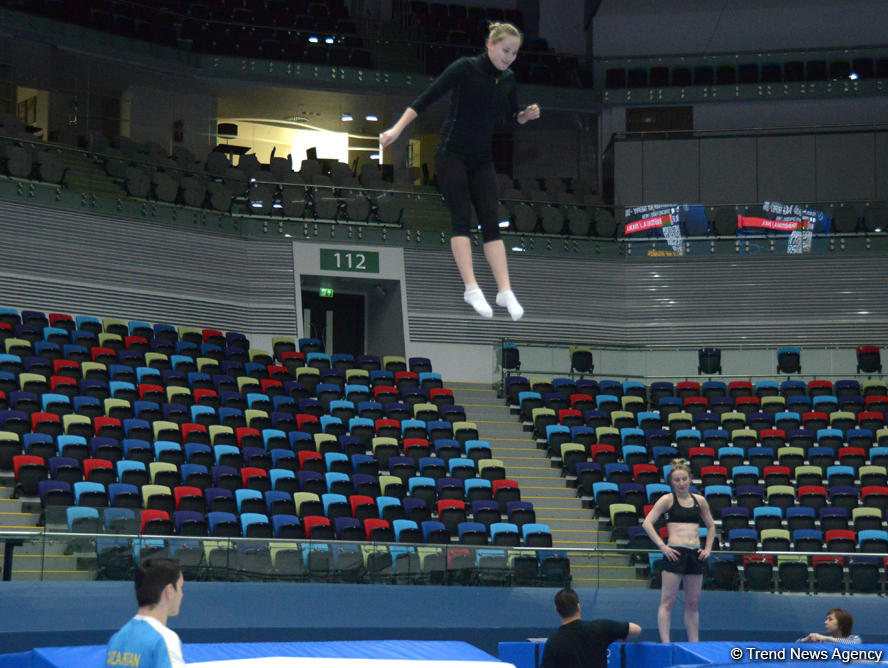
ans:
(413, 653)
(760, 654)
(715, 654)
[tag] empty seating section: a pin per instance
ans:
(324, 33)
(311, 189)
(236, 182)
(732, 71)
(316, 33)
(551, 205)
(448, 31)
(223, 180)
(785, 466)
(190, 432)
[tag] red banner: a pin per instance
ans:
(648, 224)
(765, 223)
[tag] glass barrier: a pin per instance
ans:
(142, 171)
(137, 181)
(808, 66)
(53, 555)
(102, 556)
(534, 358)
(686, 79)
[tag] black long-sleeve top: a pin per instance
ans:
(481, 96)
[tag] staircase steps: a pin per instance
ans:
(556, 504)
(86, 176)
(14, 516)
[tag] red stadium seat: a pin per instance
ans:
(819, 388)
(841, 540)
(875, 497)
(156, 522)
(713, 475)
(363, 507)
(255, 478)
(317, 527)
(688, 388)
(189, 498)
(740, 388)
(602, 453)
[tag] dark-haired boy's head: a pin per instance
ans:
(151, 578)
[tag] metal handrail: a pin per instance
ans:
(597, 550)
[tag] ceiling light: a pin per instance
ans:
(313, 40)
(346, 117)
(517, 249)
(328, 40)
(371, 117)
(374, 156)
(504, 223)
(853, 76)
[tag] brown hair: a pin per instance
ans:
(567, 603)
(679, 464)
(844, 620)
(151, 578)
(499, 31)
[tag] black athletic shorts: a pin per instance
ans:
(688, 562)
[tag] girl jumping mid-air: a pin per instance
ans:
(483, 91)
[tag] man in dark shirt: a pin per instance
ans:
(580, 644)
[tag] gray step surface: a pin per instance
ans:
(61, 559)
(14, 515)
(84, 175)
(21, 575)
(555, 501)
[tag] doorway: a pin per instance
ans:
(337, 320)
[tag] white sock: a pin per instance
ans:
(475, 298)
(508, 300)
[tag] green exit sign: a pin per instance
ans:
(336, 259)
(326, 292)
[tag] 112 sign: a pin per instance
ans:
(334, 259)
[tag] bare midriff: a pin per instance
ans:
(683, 534)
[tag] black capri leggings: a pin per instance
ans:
(464, 182)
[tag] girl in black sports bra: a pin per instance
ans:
(684, 559)
(678, 513)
